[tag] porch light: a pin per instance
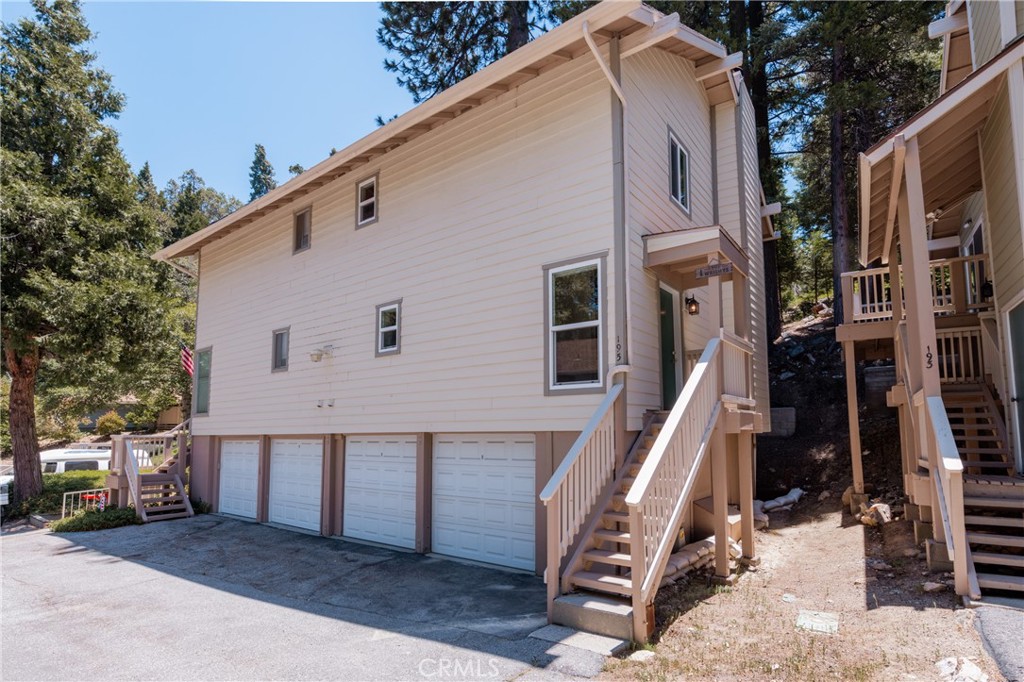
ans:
(692, 306)
(986, 289)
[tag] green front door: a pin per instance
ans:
(669, 389)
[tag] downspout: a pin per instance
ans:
(620, 156)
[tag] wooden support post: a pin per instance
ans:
(720, 487)
(922, 349)
(740, 313)
(852, 414)
(895, 285)
(551, 573)
(958, 287)
(746, 465)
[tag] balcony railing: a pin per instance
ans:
(955, 283)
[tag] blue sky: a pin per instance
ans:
(206, 81)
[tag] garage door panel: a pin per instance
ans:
(239, 477)
(380, 490)
(483, 506)
(296, 468)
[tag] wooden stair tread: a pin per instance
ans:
(1005, 521)
(1001, 582)
(995, 539)
(986, 465)
(165, 517)
(613, 535)
(603, 556)
(998, 558)
(602, 582)
(995, 502)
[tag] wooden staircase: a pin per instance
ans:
(604, 558)
(993, 492)
(162, 497)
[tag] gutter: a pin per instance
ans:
(620, 150)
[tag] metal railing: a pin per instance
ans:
(955, 285)
(582, 476)
(82, 500)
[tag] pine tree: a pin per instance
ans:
(81, 298)
(261, 174)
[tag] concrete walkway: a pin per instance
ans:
(210, 598)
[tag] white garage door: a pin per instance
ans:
(380, 490)
(295, 473)
(484, 498)
(239, 477)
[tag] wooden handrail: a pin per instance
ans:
(131, 472)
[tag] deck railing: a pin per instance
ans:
(955, 285)
(82, 500)
(961, 355)
(656, 499)
(582, 476)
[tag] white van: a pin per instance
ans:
(74, 459)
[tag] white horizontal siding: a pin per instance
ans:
(469, 214)
(662, 93)
(986, 38)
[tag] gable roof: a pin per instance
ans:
(638, 26)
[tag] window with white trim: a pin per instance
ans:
(303, 230)
(574, 325)
(280, 351)
(366, 202)
(679, 165)
(389, 328)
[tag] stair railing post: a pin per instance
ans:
(638, 573)
(552, 574)
(180, 465)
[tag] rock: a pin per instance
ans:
(878, 565)
(931, 587)
(789, 499)
(796, 351)
(910, 553)
(787, 375)
(876, 515)
(642, 655)
(825, 494)
(960, 670)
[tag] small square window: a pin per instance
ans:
(366, 202)
(303, 230)
(679, 170)
(389, 326)
(280, 352)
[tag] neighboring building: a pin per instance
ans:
(941, 202)
(483, 303)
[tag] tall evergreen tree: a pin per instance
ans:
(81, 297)
(191, 205)
(261, 174)
(437, 44)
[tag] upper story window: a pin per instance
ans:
(679, 166)
(389, 328)
(366, 202)
(303, 230)
(201, 403)
(280, 351)
(575, 311)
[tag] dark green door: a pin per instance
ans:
(669, 389)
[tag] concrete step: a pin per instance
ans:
(993, 581)
(1004, 521)
(995, 539)
(998, 558)
(597, 613)
(604, 556)
(602, 582)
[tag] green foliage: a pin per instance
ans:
(51, 498)
(94, 519)
(261, 174)
(201, 506)
(437, 44)
(5, 415)
(192, 205)
(296, 169)
(110, 424)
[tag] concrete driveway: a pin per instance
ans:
(210, 598)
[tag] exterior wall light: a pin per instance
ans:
(319, 354)
(692, 306)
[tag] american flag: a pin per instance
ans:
(186, 359)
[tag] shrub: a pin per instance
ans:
(200, 506)
(54, 486)
(94, 519)
(109, 424)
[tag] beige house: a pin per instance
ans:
(942, 201)
(522, 324)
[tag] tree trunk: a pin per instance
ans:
(28, 478)
(738, 31)
(840, 217)
(518, 18)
